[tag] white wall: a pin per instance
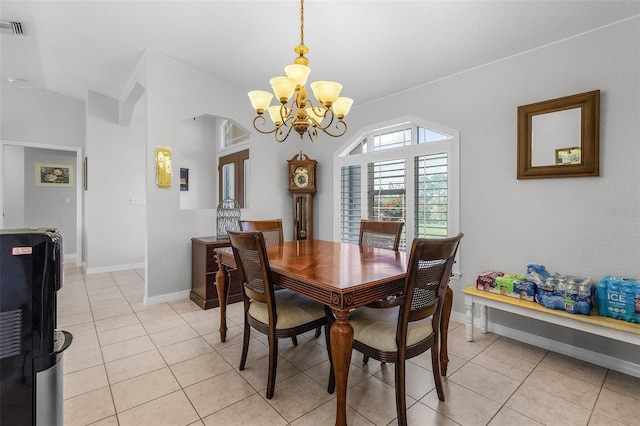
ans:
(14, 192)
(580, 226)
(43, 116)
(115, 228)
(198, 156)
(176, 94)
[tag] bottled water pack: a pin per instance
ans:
(619, 298)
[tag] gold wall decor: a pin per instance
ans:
(163, 167)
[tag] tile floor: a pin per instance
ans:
(131, 364)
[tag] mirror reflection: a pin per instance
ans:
(556, 138)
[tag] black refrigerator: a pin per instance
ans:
(31, 347)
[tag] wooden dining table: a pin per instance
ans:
(343, 276)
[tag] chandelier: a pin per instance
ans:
(301, 114)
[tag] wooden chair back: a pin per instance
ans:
(250, 253)
(271, 229)
(380, 233)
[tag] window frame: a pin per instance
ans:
(343, 157)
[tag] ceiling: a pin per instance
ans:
(374, 48)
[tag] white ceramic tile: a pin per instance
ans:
(300, 388)
(618, 407)
(134, 365)
(182, 351)
(127, 348)
(171, 409)
(252, 411)
(218, 392)
(546, 408)
(485, 382)
(462, 405)
(84, 381)
(200, 368)
(326, 415)
(142, 389)
(564, 386)
(88, 407)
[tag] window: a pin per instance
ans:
(232, 134)
(404, 171)
(233, 172)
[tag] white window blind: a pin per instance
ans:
(350, 203)
(432, 195)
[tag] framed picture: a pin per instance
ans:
(568, 156)
(164, 171)
(55, 175)
(184, 179)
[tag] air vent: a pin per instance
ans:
(11, 27)
(10, 333)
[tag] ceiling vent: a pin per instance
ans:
(11, 27)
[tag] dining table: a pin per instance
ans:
(343, 276)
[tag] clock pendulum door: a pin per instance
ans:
(302, 185)
(302, 216)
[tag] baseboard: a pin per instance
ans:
(163, 298)
(586, 355)
(113, 268)
(70, 258)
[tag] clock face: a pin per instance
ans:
(301, 177)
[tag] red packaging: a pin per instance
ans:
(487, 280)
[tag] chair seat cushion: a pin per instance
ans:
(377, 328)
(293, 310)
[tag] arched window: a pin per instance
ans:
(407, 170)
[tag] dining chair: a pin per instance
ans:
(278, 314)
(271, 229)
(380, 233)
(409, 324)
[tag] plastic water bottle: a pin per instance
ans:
(584, 302)
(547, 293)
(601, 296)
(570, 296)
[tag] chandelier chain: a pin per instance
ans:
(302, 22)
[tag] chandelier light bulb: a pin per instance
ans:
(274, 114)
(299, 73)
(260, 100)
(283, 88)
(326, 92)
(342, 106)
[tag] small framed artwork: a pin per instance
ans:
(54, 175)
(163, 167)
(568, 156)
(184, 179)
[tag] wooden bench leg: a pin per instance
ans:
(484, 319)
(468, 302)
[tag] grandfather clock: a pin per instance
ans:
(302, 185)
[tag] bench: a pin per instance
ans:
(595, 324)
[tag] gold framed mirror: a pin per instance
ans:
(560, 137)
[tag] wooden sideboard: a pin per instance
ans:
(203, 273)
